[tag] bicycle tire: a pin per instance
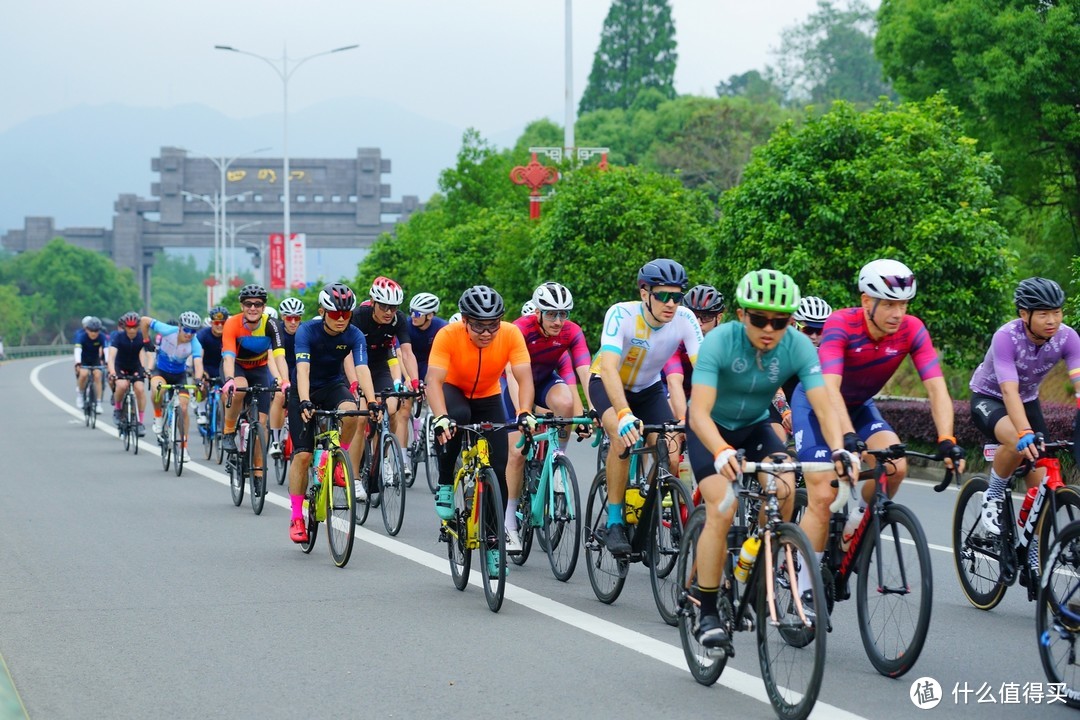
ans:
(126, 429)
(410, 450)
(976, 553)
(219, 425)
(664, 540)
(492, 535)
(607, 575)
(281, 468)
(236, 478)
(257, 450)
(526, 531)
(890, 653)
(457, 545)
(133, 424)
(1066, 507)
(1056, 633)
(561, 531)
(207, 430)
(367, 466)
(165, 442)
(431, 462)
(341, 515)
(178, 439)
(392, 488)
(311, 497)
(792, 697)
(706, 667)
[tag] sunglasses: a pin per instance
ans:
(706, 317)
(417, 313)
(189, 331)
(666, 296)
(294, 318)
(218, 323)
(482, 328)
(386, 308)
(339, 315)
(556, 314)
(760, 321)
(253, 304)
(810, 330)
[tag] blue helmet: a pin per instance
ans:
(662, 272)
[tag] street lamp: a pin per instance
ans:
(217, 204)
(568, 131)
(285, 73)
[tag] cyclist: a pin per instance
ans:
(638, 337)
(292, 312)
(809, 319)
(128, 348)
(860, 349)
(177, 343)
(330, 352)
(550, 336)
(90, 346)
(739, 369)
(1005, 387)
(423, 324)
(466, 362)
(528, 308)
(382, 324)
(707, 304)
(456, 317)
(252, 353)
(210, 339)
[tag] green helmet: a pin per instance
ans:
(768, 290)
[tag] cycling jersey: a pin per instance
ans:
(251, 347)
(546, 353)
(126, 359)
(1013, 357)
(476, 371)
(679, 364)
(380, 338)
(211, 348)
(746, 379)
(643, 348)
(421, 343)
(325, 353)
(866, 364)
(289, 342)
(172, 355)
(90, 351)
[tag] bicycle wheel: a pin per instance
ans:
(492, 535)
(1066, 509)
(894, 614)
(456, 534)
(258, 465)
(219, 424)
(341, 517)
(132, 421)
(431, 462)
(706, 667)
(178, 439)
(526, 531)
(1057, 613)
(281, 467)
(367, 466)
(607, 575)
(311, 499)
(207, 431)
(792, 674)
(165, 440)
(127, 428)
(233, 466)
(673, 506)
(391, 484)
(976, 553)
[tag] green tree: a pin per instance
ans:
(830, 57)
(895, 181)
(177, 285)
(1011, 66)
(601, 227)
(752, 85)
(15, 325)
(637, 51)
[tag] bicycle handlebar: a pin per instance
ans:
(253, 389)
(640, 448)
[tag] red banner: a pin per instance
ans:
(277, 261)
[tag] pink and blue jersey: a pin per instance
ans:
(547, 353)
(866, 364)
(1013, 357)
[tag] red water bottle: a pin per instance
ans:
(1026, 507)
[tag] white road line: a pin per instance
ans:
(666, 653)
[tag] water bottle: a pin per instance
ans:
(747, 556)
(319, 462)
(242, 436)
(635, 500)
(686, 474)
(1025, 509)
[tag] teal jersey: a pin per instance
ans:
(746, 381)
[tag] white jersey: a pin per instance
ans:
(644, 349)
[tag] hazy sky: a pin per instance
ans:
(491, 64)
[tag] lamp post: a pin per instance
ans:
(568, 131)
(285, 72)
(217, 202)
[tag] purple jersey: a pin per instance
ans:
(866, 364)
(545, 353)
(1013, 357)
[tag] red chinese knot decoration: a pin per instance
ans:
(534, 176)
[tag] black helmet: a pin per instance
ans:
(129, 319)
(662, 272)
(337, 296)
(481, 303)
(704, 298)
(251, 291)
(218, 313)
(1038, 293)
(94, 323)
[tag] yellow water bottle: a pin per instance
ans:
(635, 500)
(747, 556)
(686, 474)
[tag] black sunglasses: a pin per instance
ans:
(760, 321)
(706, 317)
(481, 328)
(810, 329)
(666, 296)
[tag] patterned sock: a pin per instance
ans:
(997, 488)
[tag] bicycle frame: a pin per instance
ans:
(659, 472)
(475, 457)
(547, 442)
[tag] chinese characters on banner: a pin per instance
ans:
(296, 251)
(287, 267)
(277, 261)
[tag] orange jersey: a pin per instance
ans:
(473, 370)
(251, 348)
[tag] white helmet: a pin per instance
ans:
(86, 320)
(270, 311)
(456, 317)
(552, 296)
(812, 310)
(190, 320)
(291, 306)
(528, 308)
(386, 291)
(424, 303)
(887, 280)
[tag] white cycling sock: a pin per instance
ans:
(804, 571)
(510, 519)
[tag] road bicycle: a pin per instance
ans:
(90, 398)
(281, 462)
(384, 470)
(1057, 616)
(656, 508)
(173, 437)
(987, 563)
(770, 601)
(250, 460)
(330, 497)
(211, 432)
(550, 507)
(129, 425)
(477, 522)
(422, 448)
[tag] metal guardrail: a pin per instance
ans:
(26, 351)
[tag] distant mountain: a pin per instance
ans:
(73, 164)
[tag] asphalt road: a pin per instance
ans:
(126, 592)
